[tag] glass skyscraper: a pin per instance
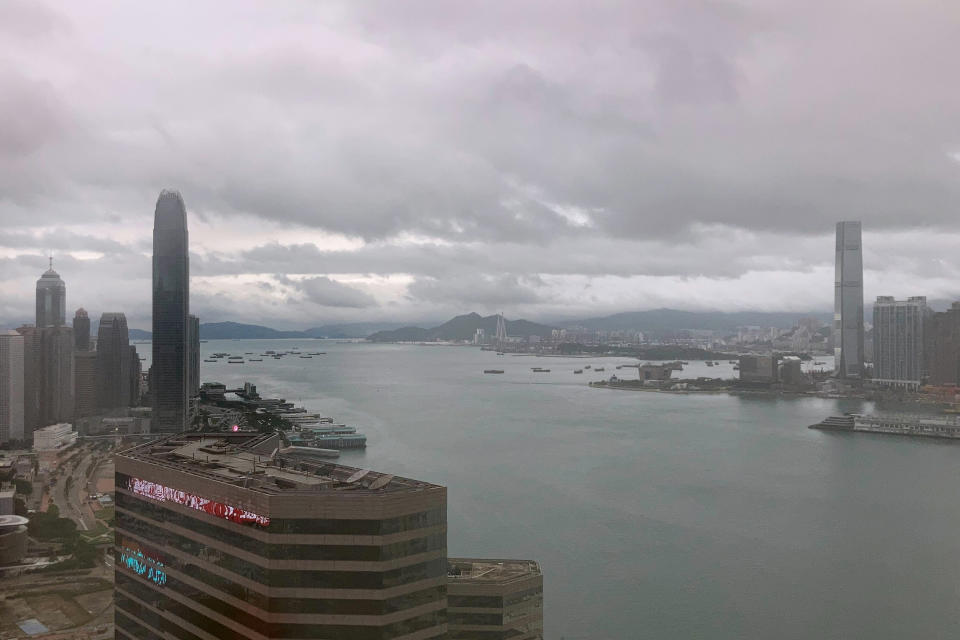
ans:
(848, 302)
(171, 306)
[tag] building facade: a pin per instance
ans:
(193, 363)
(898, 341)
(56, 375)
(221, 536)
(171, 306)
(11, 387)
(51, 299)
(848, 302)
(136, 373)
(943, 347)
(55, 437)
(31, 379)
(85, 383)
(758, 369)
(489, 598)
(81, 330)
(113, 362)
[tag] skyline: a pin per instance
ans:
(356, 163)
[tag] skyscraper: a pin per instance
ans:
(943, 347)
(221, 536)
(848, 302)
(11, 387)
(81, 330)
(51, 299)
(85, 383)
(898, 341)
(171, 306)
(193, 362)
(113, 362)
(56, 375)
(494, 598)
(31, 379)
(135, 370)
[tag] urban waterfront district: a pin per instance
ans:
(652, 515)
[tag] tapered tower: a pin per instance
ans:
(171, 306)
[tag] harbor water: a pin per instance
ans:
(652, 515)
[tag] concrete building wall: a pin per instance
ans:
(494, 598)
(943, 347)
(758, 369)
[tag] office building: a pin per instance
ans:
(222, 536)
(31, 379)
(494, 599)
(898, 341)
(55, 437)
(113, 362)
(758, 369)
(85, 383)
(56, 375)
(51, 299)
(81, 330)
(943, 347)
(136, 373)
(848, 302)
(193, 366)
(11, 387)
(171, 306)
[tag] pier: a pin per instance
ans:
(947, 427)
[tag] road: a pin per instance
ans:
(74, 505)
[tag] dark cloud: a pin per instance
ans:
(475, 290)
(325, 292)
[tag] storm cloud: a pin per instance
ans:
(402, 160)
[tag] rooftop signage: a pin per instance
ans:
(161, 493)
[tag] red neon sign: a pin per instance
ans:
(160, 493)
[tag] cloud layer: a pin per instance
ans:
(380, 160)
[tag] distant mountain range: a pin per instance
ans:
(654, 322)
(461, 328)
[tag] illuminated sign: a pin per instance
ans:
(144, 565)
(160, 493)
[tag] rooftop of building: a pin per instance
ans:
(490, 570)
(259, 462)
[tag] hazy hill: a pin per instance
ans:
(657, 320)
(461, 328)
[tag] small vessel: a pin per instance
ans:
(709, 363)
(598, 369)
(493, 370)
(256, 359)
(499, 353)
(578, 370)
(306, 356)
(209, 359)
(540, 370)
(587, 367)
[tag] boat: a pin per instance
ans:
(256, 359)
(540, 370)
(209, 359)
(587, 367)
(578, 370)
(598, 369)
(269, 353)
(493, 370)
(234, 361)
(709, 363)
(306, 356)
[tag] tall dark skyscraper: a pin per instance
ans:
(171, 306)
(113, 362)
(81, 330)
(848, 302)
(51, 299)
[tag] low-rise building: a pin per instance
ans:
(55, 437)
(488, 598)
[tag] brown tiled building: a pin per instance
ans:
(494, 599)
(225, 536)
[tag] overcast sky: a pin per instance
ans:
(411, 160)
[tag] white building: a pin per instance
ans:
(11, 386)
(54, 437)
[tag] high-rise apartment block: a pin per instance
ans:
(51, 299)
(81, 330)
(898, 341)
(113, 362)
(223, 536)
(848, 302)
(943, 347)
(171, 306)
(11, 387)
(489, 598)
